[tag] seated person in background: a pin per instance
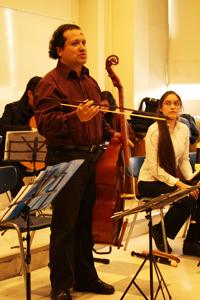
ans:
(108, 103)
(167, 149)
(16, 117)
(193, 129)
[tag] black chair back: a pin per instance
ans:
(136, 163)
(8, 178)
(192, 156)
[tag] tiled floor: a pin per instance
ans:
(182, 281)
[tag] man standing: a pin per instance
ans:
(72, 133)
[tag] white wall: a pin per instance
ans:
(184, 52)
(25, 30)
(135, 30)
(184, 42)
(61, 9)
(150, 49)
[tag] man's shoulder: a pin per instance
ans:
(51, 74)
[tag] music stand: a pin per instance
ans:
(38, 196)
(25, 146)
(154, 203)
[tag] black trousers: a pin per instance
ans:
(71, 259)
(178, 212)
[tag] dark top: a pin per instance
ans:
(60, 124)
(16, 117)
(114, 121)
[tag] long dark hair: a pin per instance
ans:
(109, 116)
(166, 155)
(58, 40)
(31, 85)
(106, 95)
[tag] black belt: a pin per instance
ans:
(91, 148)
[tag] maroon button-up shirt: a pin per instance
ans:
(60, 124)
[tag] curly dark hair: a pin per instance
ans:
(58, 39)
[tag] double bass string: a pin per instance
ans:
(134, 113)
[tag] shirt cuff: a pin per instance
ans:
(172, 180)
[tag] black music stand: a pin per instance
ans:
(36, 197)
(155, 203)
(25, 146)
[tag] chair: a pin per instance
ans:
(8, 178)
(192, 157)
(136, 163)
(30, 153)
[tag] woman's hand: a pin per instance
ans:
(195, 194)
(185, 186)
(130, 143)
(118, 135)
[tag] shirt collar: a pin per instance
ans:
(177, 126)
(69, 73)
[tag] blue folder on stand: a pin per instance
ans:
(40, 194)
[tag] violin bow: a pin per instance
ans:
(134, 112)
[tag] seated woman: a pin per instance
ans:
(167, 150)
(113, 119)
(16, 117)
(108, 103)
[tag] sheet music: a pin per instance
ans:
(22, 145)
(41, 193)
(156, 202)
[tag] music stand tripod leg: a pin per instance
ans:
(133, 282)
(26, 212)
(152, 264)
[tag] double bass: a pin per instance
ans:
(111, 175)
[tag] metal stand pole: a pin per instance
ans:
(28, 254)
(152, 264)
